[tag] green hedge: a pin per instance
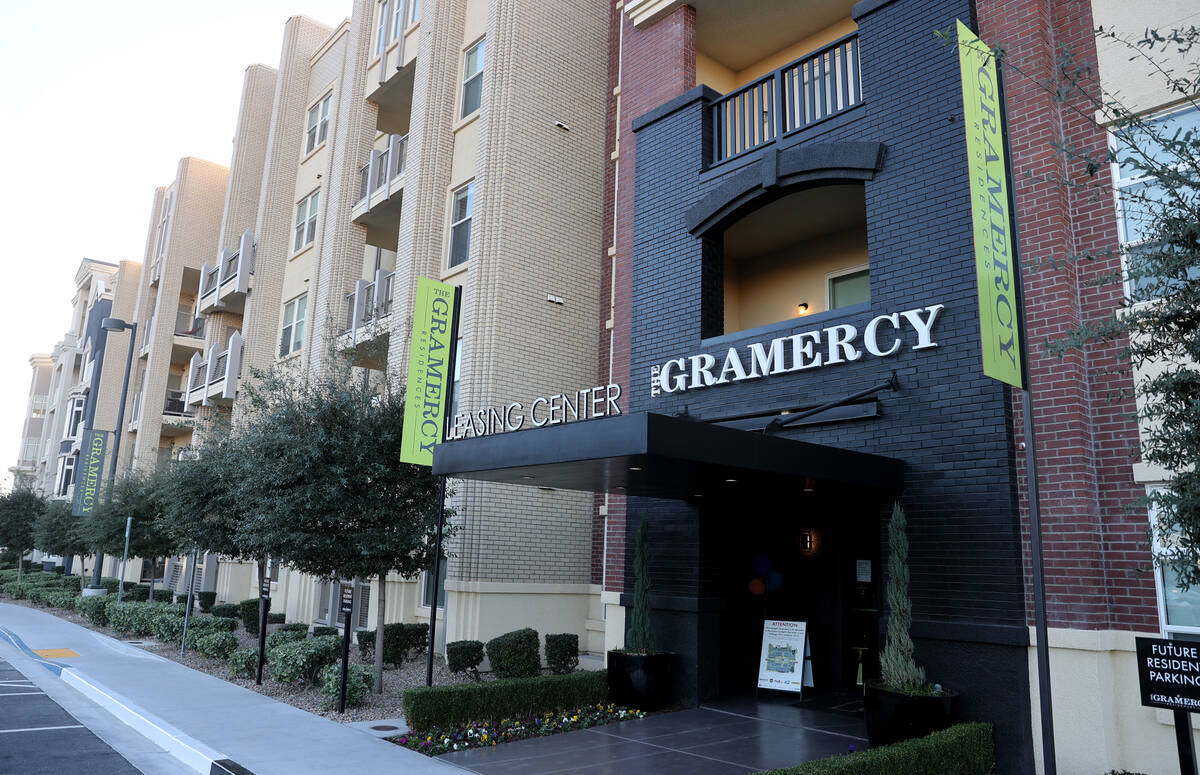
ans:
(92, 608)
(516, 654)
(426, 707)
(199, 626)
(218, 645)
(399, 640)
(562, 653)
(359, 679)
(464, 656)
(294, 627)
(243, 663)
(278, 618)
(207, 599)
(137, 618)
(280, 637)
(322, 629)
(18, 590)
(110, 584)
(167, 628)
(249, 613)
(227, 610)
(302, 660)
(965, 749)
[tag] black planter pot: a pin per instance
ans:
(641, 681)
(895, 716)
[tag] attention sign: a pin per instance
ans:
(429, 377)
(994, 241)
(1169, 673)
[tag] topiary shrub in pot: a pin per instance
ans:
(903, 705)
(639, 676)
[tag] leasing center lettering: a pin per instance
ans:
(883, 336)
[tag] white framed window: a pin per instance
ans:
(846, 287)
(306, 220)
(30, 451)
(462, 202)
(318, 123)
(1178, 609)
(382, 27)
(1139, 196)
(473, 78)
(164, 223)
(292, 337)
(414, 12)
(76, 418)
(66, 473)
(427, 586)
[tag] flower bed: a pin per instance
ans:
(440, 740)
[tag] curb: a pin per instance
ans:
(197, 756)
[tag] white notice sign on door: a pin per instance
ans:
(786, 661)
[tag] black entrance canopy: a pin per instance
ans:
(657, 456)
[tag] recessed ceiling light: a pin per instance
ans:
(526, 477)
(635, 468)
(731, 480)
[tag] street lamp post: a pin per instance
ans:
(115, 325)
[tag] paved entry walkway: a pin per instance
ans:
(735, 736)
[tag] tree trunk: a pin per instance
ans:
(153, 565)
(20, 566)
(380, 598)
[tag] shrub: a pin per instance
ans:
(218, 645)
(399, 640)
(562, 653)
(207, 599)
(516, 654)
(226, 610)
(60, 570)
(294, 627)
(464, 656)
(92, 608)
(135, 593)
(249, 613)
(359, 679)
(302, 660)
(18, 590)
(137, 618)
(965, 749)
(243, 663)
(167, 628)
(200, 626)
(278, 618)
(110, 584)
(426, 707)
(183, 601)
(280, 637)
(321, 629)
(62, 598)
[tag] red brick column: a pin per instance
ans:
(1094, 545)
(647, 67)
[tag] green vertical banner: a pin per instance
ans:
(994, 241)
(88, 470)
(425, 404)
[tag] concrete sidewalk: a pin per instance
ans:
(197, 718)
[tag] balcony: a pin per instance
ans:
(156, 271)
(380, 191)
(214, 379)
(177, 419)
(366, 307)
(135, 412)
(812, 89)
(188, 337)
(224, 285)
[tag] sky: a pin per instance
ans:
(101, 102)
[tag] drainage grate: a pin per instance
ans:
(384, 728)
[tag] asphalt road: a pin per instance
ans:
(38, 737)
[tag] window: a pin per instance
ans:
(293, 325)
(427, 586)
(30, 453)
(472, 79)
(414, 11)
(381, 29)
(460, 224)
(66, 473)
(454, 401)
(1141, 196)
(163, 223)
(273, 570)
(306, 221)
(1178, 608)
(76, 418)
(404, 19)
(318, 123)
(849, 287)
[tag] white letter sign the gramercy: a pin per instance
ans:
(429, 365)
(87, 472)
(882, 336)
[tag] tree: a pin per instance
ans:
(19, 510)
(57, 531)
(330, 493)
(896, 664)
(137, 496)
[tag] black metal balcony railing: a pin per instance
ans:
(208, 282)
(231, 265)
(186, 325)
(174, 404)
(799, 94)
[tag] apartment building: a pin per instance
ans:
(24, 473)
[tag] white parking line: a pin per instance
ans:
(39, 729)
(18, 694)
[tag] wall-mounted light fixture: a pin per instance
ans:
(802, 309)
(808, 541)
